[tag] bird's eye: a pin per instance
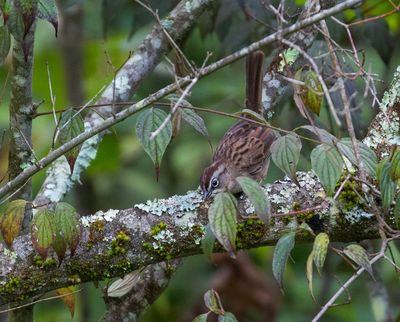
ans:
(214, 182)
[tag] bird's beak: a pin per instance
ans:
(206, 194)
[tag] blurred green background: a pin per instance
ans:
(123, 175)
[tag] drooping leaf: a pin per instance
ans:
(395, 168)
(148, 122)
(282, 250)
(207, 243)
(386, 185)
(320, 249)
(227, 317)
(68, 297)
(285, 153)
(176, 121)
(367, 156)
(11, 220)
(328, 165)
(122, 286)
(201, 318)
(309, 271)
(47, 10)
(212, 302)
(321, 134)
(43, 231)
(222, 219)
(5, 43)
(70, 126)
(67, 228)
(359, 255)
(195, 120)
(312, 93)
(257, 198)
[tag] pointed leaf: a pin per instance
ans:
(395, 168)
(207, 243)
(122, 286)
(195, 120)
(322, 134)
(282, 250)
(227, 317)
(328, 165)
(70, 126)
(222, 219)
(285, 153)
(320, 249)
(67, 225)
(309, 271)
(201, 318)
(257, 198)
(312, 93)
(11, 220)
(212, 302)
(47, 10)
(368, 156)
(148, 122)
(43, 231)
(386, 185)
(5, 43)
(359, 255)
(68, 297)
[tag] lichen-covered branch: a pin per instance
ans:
(119, 241)
(142, 62)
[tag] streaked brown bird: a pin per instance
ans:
(245, 148)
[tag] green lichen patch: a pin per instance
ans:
(96, 232)
(119, 243)
(249, 232)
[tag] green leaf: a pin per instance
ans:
(359, 255)
(312, 94)
(320, 249)
(212, 302)
(227, 317)
(368, 156)
(5, 43)
(43, 231)
(148, 122)
(257, 198)
(282, 250)
(195, 120)
(285, 153)
(47, 10)
(328, 165)
(201, 318)
(309, 271)
(386, 185)
(222, 219)
(11, 220)
(67, 228)
(207, 243)
(250, 114)
(70, 126)
(395, 168)
(322, 134)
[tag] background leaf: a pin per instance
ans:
(312, 94)
(201, 318)
(122, 286)
(282, 250)
(368, 156)
(43, 231)
(321, 134)
(309, 274)
(5, 43)
(11, 220)
(359, 255)
(148, 122)
(320, 248)
(207, 243)
(386, 185)
(285, 153)
(195, 120)
(257, 198)
(395, 168)
(212, 302)
(47, 10)
(227, 317)
(328, 165)
(222, 219)
(68, 297)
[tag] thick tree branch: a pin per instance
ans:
(119, 117)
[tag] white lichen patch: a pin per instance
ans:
(175, 205)
(392, 95)
(356, 215)
(7, 261)
(108, 216)
(164, 236)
